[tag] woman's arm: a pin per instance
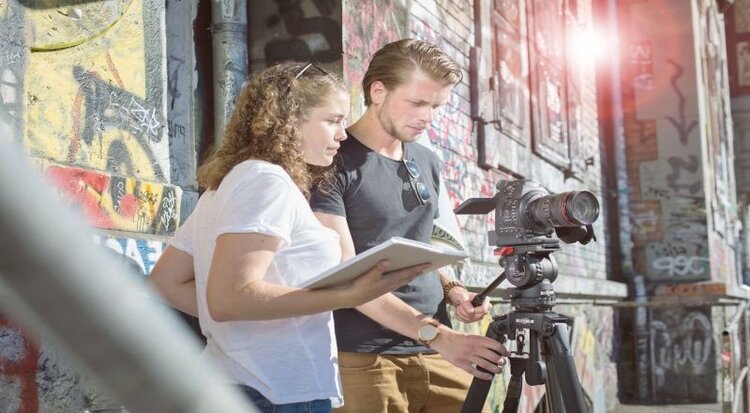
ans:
(174, 279)
(236, 289)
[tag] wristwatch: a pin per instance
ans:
(428, 333)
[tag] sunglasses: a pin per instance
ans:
(307, 66)
(420, 190)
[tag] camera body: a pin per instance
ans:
(527, 213)
(514, 225)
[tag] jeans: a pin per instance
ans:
(265, 406)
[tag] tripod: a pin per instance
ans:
(548, 360)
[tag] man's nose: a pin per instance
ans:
(428, 114)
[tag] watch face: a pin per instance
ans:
(428, 332)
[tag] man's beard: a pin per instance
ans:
(387, 124)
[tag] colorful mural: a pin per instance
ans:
(117, 202)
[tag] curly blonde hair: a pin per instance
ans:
(265, 124)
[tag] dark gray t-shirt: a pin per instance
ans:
(376, 195)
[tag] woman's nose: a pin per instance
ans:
(341, 132)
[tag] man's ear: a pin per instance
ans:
(377, 92)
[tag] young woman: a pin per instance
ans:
(237, 261)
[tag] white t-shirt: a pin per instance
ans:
(287, 360)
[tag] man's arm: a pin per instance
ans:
(460, 349)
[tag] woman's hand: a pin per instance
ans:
(375, 283)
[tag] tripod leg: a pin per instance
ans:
(476, 396)
(513, 394)
(479, 388)
(562, 378)
(553, 393)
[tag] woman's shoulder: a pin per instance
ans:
(259, 170)
(256, 174)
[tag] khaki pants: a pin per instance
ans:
(388, 383)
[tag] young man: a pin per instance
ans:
(398, 353)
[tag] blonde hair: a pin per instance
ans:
(265, 124)
(394, 63)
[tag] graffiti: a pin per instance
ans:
(177, 65)
(642, 64)
(451, 129)
(139, 254)
(13, 56)
(176, 131)
(18, 365)
(169, 209)
(691, 165)
(296, 43)
(646, 221)
(689, 234)
(114, 202)
(367, 26)
(108, 107)
(683, 127)
(584, 355)
(181, 102)
(668, 179)
(682, 351)
(681, 265)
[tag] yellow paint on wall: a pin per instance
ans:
(53, 26)
(63, 125)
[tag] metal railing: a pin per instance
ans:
(56, 282)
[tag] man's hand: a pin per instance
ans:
(468, 352)
(465, 311)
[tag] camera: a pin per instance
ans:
(526, 213)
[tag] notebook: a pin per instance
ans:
(401, 252)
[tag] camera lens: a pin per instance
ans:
(566, 209)
(582, 207)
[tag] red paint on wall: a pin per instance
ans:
(23, 370)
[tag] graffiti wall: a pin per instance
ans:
(13, 59)
(367, 26)
(721, 193)
(84, 86)
(672, 209)
(681, 190)
(117, 202)
(683, 355)
(35, 376)
(100, 105)
(183, 116)
(663, 149)
(304, 30)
